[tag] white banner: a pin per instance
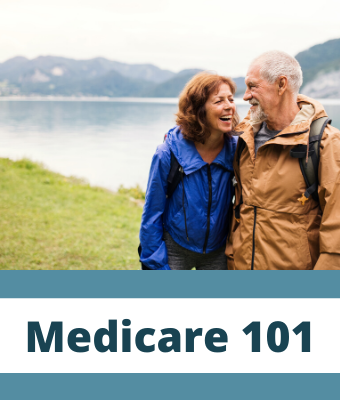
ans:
(313, 347)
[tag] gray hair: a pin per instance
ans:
(278, 63)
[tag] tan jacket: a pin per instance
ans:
(275, 230)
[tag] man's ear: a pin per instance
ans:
(282, 84)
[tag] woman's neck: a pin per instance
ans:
(211, 148)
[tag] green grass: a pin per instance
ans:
(49, 221)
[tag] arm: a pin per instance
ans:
(329, 195)
(154, 253)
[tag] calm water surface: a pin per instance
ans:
(107, 143)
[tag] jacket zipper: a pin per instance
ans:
(255, 208)
(209, 208)
(253, 254)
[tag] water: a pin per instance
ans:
(109, 143)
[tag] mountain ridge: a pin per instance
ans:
(321, 70)
(53, 75)
(62, 76)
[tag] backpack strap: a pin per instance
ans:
(240, 147)
(175, 175)
(309, 164)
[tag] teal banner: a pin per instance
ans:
(169, 284)
(170, 386)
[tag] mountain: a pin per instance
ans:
(48, 75)
(60, 76)
(173, 86)
(48, 68)
(110, 84)
(321, 70)
(319, 59)
(324, 86)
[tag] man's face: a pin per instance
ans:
(263, 96)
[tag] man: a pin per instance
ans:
(278, 225)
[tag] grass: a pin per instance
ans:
(49, 221)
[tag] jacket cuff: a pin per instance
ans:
(328, 261)
(166, 267)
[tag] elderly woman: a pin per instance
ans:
(185, 220)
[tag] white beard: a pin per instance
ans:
(258, 115)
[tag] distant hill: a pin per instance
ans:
(173, 86)
(321, 70)
(20, 69)
(110, 84)
(319, 59)
(49, 75)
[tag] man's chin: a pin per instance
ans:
(257, 115)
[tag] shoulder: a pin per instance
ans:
(163, 150)
(162, 157)
(330, 155)
(330, 138)
(231, 144)
(243, 124)
(332, 131)
(233, 141)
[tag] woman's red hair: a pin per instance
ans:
(191, 116)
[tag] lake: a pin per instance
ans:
(109, 143)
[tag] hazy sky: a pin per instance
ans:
(218, 35)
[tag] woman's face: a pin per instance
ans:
(220, 109)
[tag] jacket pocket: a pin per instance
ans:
(304, 253)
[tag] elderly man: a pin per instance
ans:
(283, 221)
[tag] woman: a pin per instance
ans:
(189, 227)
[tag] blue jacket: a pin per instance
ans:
(207, 231)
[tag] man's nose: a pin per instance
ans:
(247, 95)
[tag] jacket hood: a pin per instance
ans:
(189, 158)
(319, 110)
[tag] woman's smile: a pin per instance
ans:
(226, 118)
(220, 109)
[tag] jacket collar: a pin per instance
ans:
(189, 158)
(296, 133)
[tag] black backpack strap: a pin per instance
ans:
(309, 165)
(240, 147)
(175, 175)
